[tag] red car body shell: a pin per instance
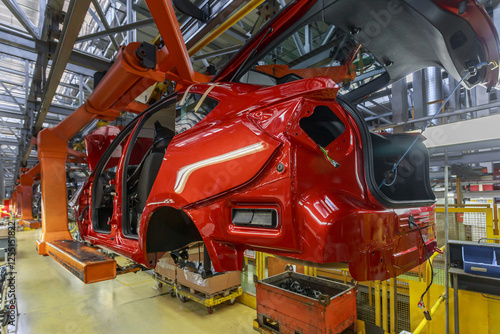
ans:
(230, 159)
(250, 152)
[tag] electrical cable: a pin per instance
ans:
(430, 264)
(333, 162)
(472, 71)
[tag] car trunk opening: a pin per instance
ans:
(410, 185)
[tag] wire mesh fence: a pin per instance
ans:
(465, 226)
(465, 223)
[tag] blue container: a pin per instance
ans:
(481, 260)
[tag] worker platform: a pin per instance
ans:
(30, 223)
(85, 262)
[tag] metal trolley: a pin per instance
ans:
(184, 293)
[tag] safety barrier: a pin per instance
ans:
(466, 222)
(469, 222)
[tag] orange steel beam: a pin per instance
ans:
(76, 156)
(164, 15)
(124, 81)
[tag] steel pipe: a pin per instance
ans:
(251, 5)
(424, 322)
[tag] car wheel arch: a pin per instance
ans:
(168, 229)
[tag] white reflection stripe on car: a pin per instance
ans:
(184, 173)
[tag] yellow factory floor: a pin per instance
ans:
(52, 300)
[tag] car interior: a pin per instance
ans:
(149, 142)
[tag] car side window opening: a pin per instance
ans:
(143, 159)
(323, 126)
(191, 110)
(317, 48)
(103, 190)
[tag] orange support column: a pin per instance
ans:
(26, 183)
(124, 81)
(52, 151)
(16, 201)
(26, 201)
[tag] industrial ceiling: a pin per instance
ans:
(50, 50)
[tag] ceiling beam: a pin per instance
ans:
(137, 8)
(105, 23)
(123, 28)
(11, 125)
(371, 113)
(22, 46)
(72, 24)
(54, 108)
(442, 115)
(8, 141)
(217, 53)
(16, 10)
(467, 158)
(9, 98)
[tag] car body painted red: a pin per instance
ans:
(97, 142)
(286, 168)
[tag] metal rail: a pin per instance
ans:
(424, 322)
(433, 310)
(251, 5)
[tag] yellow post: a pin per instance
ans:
(490, 232)
(393, 305)
(311, 271)
(377, 303)
(385, 315)
(370, 293)
(495, 219)
(262, 266)
(257, 264)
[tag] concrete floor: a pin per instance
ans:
(52, 300)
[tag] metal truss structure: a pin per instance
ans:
(50, 50)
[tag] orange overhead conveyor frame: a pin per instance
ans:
(125, 80)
